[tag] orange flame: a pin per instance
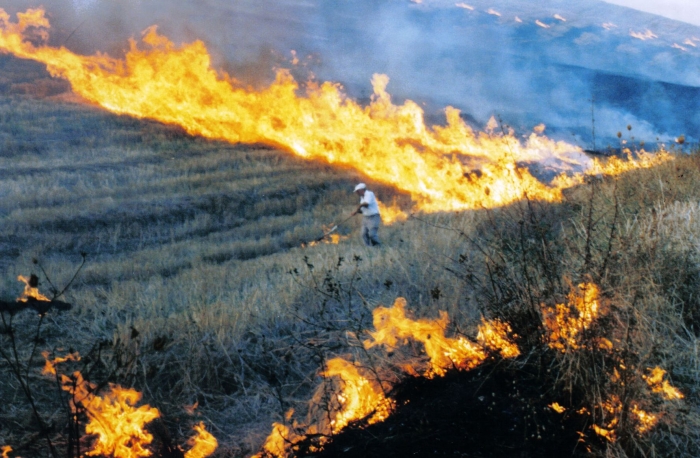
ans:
(566, 321)
(558, 408)
(277, 443)
(360, 397)
(201, 445)
(30, 292)
(114, 419)
(6, 449)
(645, 420)
(392, 326)
(658, 385)
(389, 143)
(50, 365)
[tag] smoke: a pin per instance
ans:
(583, 72)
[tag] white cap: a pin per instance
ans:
(360, 186)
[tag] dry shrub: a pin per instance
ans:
(641, 252)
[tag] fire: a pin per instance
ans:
(566, 321)
(201, 445)
(392, 213)
(645, 420)
(658, 385)
(558, 408)
(360, 397)
(277, 442)
(392, 326)
(114, 418)
(494, 335)
(330, 237)
(443, 168)
(31, 291)
(6, 449)
(50, 365)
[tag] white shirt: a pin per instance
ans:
(372, 207)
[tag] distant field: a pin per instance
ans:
(197, 289)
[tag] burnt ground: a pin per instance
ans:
(497, 410)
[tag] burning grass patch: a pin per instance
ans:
(500, 409)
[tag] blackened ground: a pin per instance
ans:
(500, 409)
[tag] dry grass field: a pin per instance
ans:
(196, 287)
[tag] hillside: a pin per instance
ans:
(191, 286)
(197, 293)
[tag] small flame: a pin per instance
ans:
(566, 321)
(50, 365)
(558, 408)
(203, 444)
(658, 385)
(31, 290)
(359, 397)
(6, 449)
(277, 443)
(645, 420)
(494, 334)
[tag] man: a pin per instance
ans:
(370, 212)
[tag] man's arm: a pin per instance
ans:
(359, 208)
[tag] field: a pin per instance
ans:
(199, 287)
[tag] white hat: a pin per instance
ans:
(360, 186)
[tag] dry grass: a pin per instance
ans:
(197, 288)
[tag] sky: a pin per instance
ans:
(681, 10)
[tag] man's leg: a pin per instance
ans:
(365, 231)
(372, 230)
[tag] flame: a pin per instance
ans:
(50, 365)
(330, 238)
(388, 143)
(494, 335)
(566, 321)
(6, 449)
(558, 408)
(277, 443)
(392, 213)
(201, 445)
(30, 292)
(114, 418)
(658, 385)
(645, 420)
(392, 325)
(359, 397)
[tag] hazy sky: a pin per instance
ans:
(681, 10)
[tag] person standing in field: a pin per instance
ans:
(370, 215)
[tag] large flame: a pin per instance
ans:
(443, 167)
(119, 426)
